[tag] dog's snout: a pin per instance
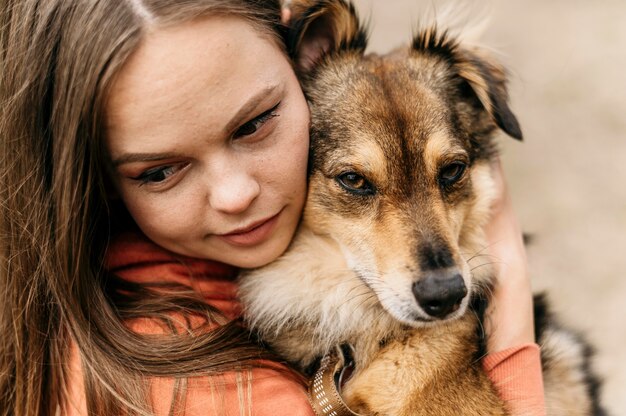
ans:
(440, 293)
(435, 256)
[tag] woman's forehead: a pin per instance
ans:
(192, 77)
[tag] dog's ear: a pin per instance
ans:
(485, 77)
(322, 27)
(488, 81)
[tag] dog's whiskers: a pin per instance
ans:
(491, 263)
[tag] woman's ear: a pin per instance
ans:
(322, 27)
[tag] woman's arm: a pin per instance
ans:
(509, 318)
(513, 362)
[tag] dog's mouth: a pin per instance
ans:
(436, 297)
(418, 318)
(415, 315)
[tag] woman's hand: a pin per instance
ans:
(509, 317)
(285, 14)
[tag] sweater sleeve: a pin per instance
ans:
(516, 374)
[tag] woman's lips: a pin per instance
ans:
(253, 235)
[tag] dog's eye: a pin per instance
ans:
(452, 173)
(355, 183)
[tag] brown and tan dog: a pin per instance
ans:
(389, 255)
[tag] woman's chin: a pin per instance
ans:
(255, 257)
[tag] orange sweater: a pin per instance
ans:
(515, 372)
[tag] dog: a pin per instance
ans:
(387, 256)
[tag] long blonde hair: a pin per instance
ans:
(57, 60)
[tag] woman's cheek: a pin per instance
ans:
(299, 140)
(166, 216)
(292, 169)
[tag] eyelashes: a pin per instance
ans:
(251, 127)
(159, 174)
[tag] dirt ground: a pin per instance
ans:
(568, 178)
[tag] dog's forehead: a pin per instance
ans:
(378, 89)
(381, 97)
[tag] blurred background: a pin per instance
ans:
(568, 178)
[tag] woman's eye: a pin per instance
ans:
(452, 173)
(256, 123)
(355, 183)
(158, 175)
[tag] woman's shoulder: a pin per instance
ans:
(132, 257)
(131, 249)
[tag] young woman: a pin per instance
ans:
(149, 148)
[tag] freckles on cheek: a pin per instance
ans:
(300, 151)
(160, 217)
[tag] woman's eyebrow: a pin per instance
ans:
(239, 118)
(142, 157)
(248, 107)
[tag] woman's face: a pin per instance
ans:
(207, 131)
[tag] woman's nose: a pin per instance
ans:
(233, 193)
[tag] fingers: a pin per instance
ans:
(285, 15)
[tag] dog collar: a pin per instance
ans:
(325, 386)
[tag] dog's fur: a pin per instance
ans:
(388, 133)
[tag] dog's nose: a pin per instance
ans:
(440, 293)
